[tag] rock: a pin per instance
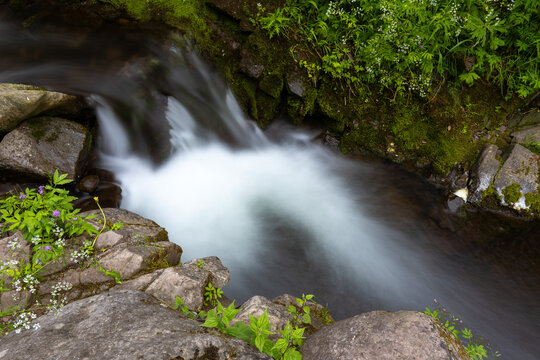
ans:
(20, 102)
(381, 335)
(527, 136)
(331, 141)
(255, 306)
(126, 259)
(107, 239)
(14, 299)
(297, 84)
(14, 248)
(483, 173)
(122, 325)
(219, 274)
(40, 146)
(134, 228)
(520, 168)
(249, 65)
(186, 282)
(531, 118)
(455, 203)
(88, 184)
(139, 284)
(319, 315)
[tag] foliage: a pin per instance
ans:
(414, 45)
(258, 330)
(46, 218)
(512, 193)
(212, 295)
(472, 344)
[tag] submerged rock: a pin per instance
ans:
(20, 102)
(39, 146)
(381, 335)
(122, 325)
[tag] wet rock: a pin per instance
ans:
(521, 168)
(122, 325)
(455, 203)
(219, 274)
(381, 335)
(249, 65)
(134, 227)
(20, 102)
(331, 141)
(88, 184)
(186, 282)
(297, 84)
(483, 173)
(527, 136)
(257, 305)
(40, 146)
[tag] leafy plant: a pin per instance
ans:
(46, 218)
(472, 344)
(212, 295)
(410, 46)
(258, 330)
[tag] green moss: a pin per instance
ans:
(532, 200)
(298, 108)
(512, 194)
(272, 84)
(266, 108)
(362, 136)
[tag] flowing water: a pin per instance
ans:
(283, 213)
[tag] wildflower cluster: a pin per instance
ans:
(410, 45)
(45, 217)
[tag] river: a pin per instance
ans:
(283, 212)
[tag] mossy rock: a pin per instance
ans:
(298, 108)
(272, 84)
(512, 194)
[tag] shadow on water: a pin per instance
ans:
(282, 212)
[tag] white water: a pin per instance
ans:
(215, 200)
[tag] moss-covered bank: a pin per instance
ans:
(437, 133)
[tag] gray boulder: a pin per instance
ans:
(219, 274)
(527, 136)
(256, 306)
(520, 168)
(41, 145)
(381, 335)
(483, 173)
(20, 102)
(122, 325)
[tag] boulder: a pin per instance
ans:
(520, 168)
(527, 136)
(135, 227)
(255, 306)
(381, 335)
(219, 274)
(20, 102)
(88, 184)
(483, 173)
(39, 146)
(122, 325)
(297, 83)
(186, 282)
(249, 64)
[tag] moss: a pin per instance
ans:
(298, 108)
(362, 136)
(532, 200)
(512, 194)
(272, 84)
(266, 108)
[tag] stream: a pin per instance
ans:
(284, 213)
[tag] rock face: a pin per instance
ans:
(381, 335)
(484, 172)
(20, 102)
(520, 168)
(41, 145)
(121, 325)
